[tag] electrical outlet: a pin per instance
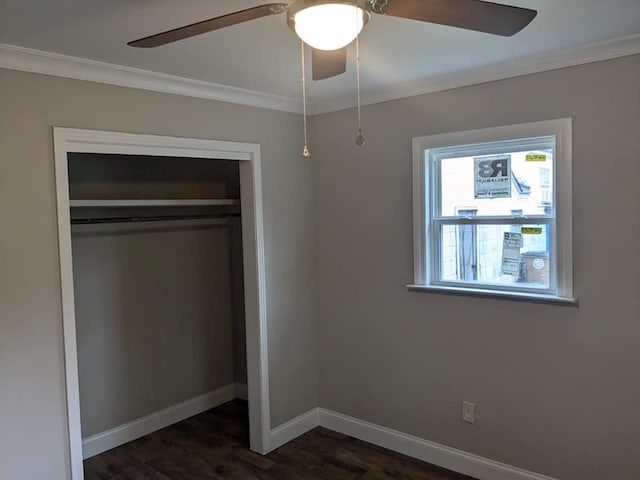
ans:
(468, 412)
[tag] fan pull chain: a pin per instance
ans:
(305, 150)
(360, 140)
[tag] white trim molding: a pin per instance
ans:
(294, 428)
(437, 454)
(48, 63)
(453, 459)
(101, 442)
(58, 65)
(67, 140)
(516, 67)
(428, 218)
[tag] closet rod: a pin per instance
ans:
(90, 221)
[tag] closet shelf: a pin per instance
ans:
(191, 202)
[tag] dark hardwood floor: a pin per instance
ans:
(214, 446)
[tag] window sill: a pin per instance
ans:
(517, 296)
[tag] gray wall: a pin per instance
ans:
(141, 176)
(557, 388)
(153, 317)
(32, 399)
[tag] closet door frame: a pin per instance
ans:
(69, 140)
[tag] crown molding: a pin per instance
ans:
(527, 65)
(58, 65)
(48, 63)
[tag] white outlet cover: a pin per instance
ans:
(468, 412)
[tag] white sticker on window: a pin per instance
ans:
(538, 263)
(511, 245)
(492, 177)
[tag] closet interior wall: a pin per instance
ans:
(159, 304)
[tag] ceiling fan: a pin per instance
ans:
(328, 26)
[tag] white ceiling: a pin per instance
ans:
(263, 55)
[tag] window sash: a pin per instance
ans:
(434, 259)
(479, 286)
(497, 147)
(501, 220)
(434, 253)
(433, 163)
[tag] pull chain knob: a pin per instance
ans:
(305, 150)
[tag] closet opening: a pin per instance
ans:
(162, 276)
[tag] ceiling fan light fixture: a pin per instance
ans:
(327, 25)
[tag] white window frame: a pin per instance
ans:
(424, 196)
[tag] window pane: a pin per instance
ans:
(480, 254)
(510, 183)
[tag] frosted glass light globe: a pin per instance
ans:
(329, 26)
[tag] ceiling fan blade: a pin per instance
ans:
(209, 25)
(488, 17)
(327, 64)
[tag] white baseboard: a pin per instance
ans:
(140, 427)
(241, 390)
(435, 453)
(431, 452)
(294, 428)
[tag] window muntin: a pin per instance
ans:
(459, 238)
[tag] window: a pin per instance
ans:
(492, 211)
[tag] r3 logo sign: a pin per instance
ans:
(493, 168)
(492, 176)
